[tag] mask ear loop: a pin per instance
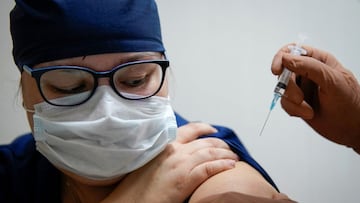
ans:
(27, 109)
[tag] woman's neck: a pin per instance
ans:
(77, 192)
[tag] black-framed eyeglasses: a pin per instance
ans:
(74, 85)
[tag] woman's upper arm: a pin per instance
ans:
(243, 178)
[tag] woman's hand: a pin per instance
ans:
(323, 93)
(174, 174)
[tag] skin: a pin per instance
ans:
(327, 97)
(230, 197)
(187, 166)
(242, 179)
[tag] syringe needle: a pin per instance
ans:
(273, 103)
(267, 118)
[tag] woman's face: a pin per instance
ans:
(101, 62)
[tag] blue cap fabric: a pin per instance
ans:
(45, 30)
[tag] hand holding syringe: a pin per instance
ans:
(285, 77)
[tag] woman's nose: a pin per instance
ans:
(104, 81)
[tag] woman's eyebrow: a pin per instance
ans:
(142, 56)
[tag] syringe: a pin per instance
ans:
(284, 78)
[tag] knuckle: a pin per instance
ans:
(213, 153)
(209, 170)
(204, 172)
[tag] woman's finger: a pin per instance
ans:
(203, 171)
(192, 131)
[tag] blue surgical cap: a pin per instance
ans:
(46, 30)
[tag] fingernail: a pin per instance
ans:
(214, 129)
(231, 162)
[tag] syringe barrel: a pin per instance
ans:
(286, 74)
(283, 82)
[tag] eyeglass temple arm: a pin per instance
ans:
(27, 69)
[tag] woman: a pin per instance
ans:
(94, 84)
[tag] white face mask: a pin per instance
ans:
(107, 136)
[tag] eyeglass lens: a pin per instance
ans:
(73, 86)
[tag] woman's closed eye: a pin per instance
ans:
(68, 89)
(134, 81)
